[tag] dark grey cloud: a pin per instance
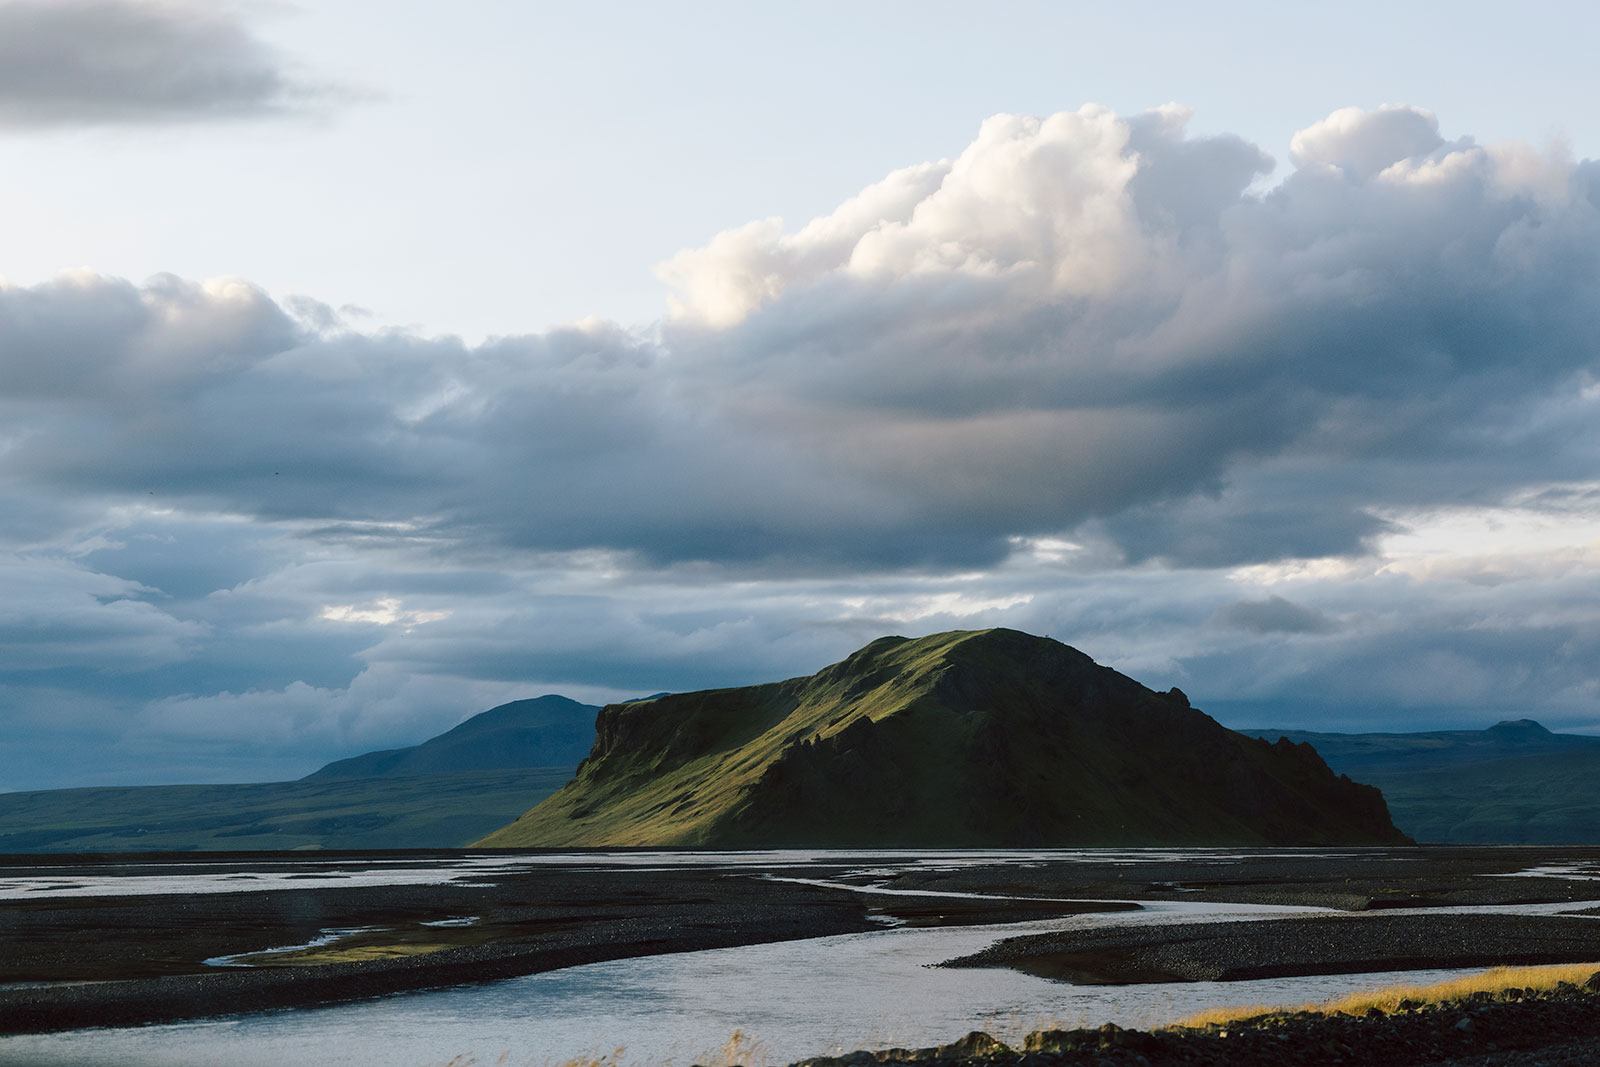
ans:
(1083, 323)
(110, 62)
(1441, 670)
(57, 615)
(1275, 615)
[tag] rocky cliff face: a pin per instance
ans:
(987, 738)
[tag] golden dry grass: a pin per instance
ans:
(590, 1059)
(323, 955)
(1389, 998)
(740, 1050)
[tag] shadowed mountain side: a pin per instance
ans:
(1515, 783)
(547, 731)
(415, 811)
(986, 738)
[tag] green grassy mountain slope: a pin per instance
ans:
(547, 731)
(985, 738)
(1515, 783)
(443, 793)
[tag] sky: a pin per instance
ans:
(365, 366)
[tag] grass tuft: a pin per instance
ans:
(588, 1059)
(319, 957)
(1388, 999)
(610, 1059)
(741, 1049)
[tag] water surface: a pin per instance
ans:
(793, 999)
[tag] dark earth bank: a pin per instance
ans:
(120, 960)
(1288, 947)
(1515, 1029)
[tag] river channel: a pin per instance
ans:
(787, 1000)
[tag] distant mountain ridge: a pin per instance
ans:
(443, 793)
(1435, 749)
(547, 731)
(971, 738)
(1515, 783)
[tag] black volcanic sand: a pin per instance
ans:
(71, 962)
(1345, 879)
(1515, 1029)
(1290, 947)
(74, 962)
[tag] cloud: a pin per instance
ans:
(58, 615)
(88, 338)
(1363, 144)
(1082, 325)
(1275, 615)
(1044, 205)
(1184, 339)
(1086, 377)
(119, 62)
(386, 611)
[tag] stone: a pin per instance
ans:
(1058, 1040)
(974, 1044)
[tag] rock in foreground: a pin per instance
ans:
(1520, 1028)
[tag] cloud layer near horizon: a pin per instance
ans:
(1089, 377)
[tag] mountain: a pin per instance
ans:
(1434, 751)
(443, 793)
(972, 738)
(1515, 783)
(547, 731)
(414, 811)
